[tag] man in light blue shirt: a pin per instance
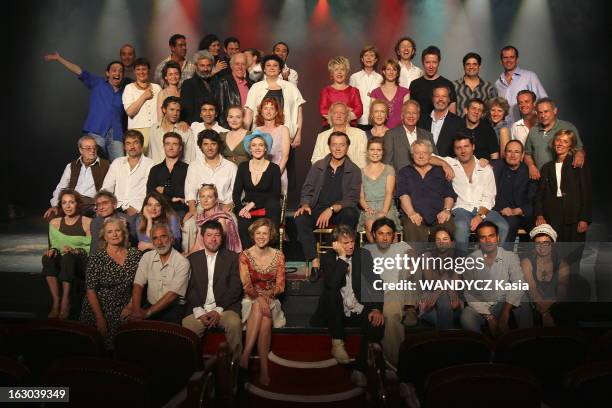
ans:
(514, 79)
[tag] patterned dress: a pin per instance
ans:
(113, 285)
(269, 280)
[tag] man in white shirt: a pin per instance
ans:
(366, 81)
(405, 50)
(493, 306)
(282, 50)
(165, 273)
(127, 176)
(171, 110)
(215, 291)
(339, 119)
(525, 100)
(475, 188)
(208, 113)
(84, 175)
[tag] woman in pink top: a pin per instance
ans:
(392, 92)
(340, 91)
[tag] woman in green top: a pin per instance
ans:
(69, 241)
(233, 149)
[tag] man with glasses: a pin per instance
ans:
(105, 207)
(85, 175)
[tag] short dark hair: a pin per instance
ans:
(211, 135)
(142, 61)
(515, 141)
(528, 92)
(210, 102)
(167, 66)
(462, 136)
(469, 55)
(281, 43)
(343, 229)
(506, 48)
(431, 50)
(381, 222)
(441, 86)
(475, 100)
(206, 41)
(435, 230)
(336, 133)
(133, 134)
(110, 64)
(255, 52)
(401, 40)
(213, 225)
(273, 57)
(169, 100)
(172, 41)
(229, 40)
(175, 135)
(485, 224)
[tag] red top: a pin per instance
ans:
(262, 279)
(350, 96)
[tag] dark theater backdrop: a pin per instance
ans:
(564, 41)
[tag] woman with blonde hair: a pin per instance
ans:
(340, 91)
(110, 275)
(262, 271)
(379, 115)
(497, 110)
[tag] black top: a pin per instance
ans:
(194, 91)
(421, 90)
(278, 95)
(426, 193)
(514, 187)
(485, 139)
(269, 186)
(332, 187)
(173, 183)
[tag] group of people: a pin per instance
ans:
(180, 174)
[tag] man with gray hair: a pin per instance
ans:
(197, 89)
(233, 88)
(165, 273)
(426, 196)
(85, 175)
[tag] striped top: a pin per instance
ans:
(484, 90)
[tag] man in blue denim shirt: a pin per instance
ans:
(105, 119)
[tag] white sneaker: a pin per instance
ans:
(339, 352)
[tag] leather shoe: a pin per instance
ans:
(314, 274)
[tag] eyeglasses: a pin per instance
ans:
(544, 244)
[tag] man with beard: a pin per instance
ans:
(398, 305)
(105, 119)
(127, 176)
(493, 306)
(197, 89)
(178, 54)
(165, 273)
(208, 113)
(215, 305)
(171, 109)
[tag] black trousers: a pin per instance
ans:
(305, 225)
(65, 267)
(330, 314)
(174, 313)
(273, 211)
(515, 223)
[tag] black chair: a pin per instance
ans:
(39, 343)
(423, 353)
(549, 353)
(603, 347)
(101, 383)
(590, 385)
(169, 352)
(482, 385)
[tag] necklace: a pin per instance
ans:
(141, 87)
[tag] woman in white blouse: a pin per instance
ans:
(140, 101)
(289, 97)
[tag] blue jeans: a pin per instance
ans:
(112, 148)
(473, 321)
(462, 226)
(442, 315)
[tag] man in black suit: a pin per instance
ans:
(348, 295)
(515, 191)
(214, 293)
(442, 123)
(399, 139)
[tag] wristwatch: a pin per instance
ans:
(331, 207)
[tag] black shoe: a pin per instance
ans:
(314, 274)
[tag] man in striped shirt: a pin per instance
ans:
(471, 85)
